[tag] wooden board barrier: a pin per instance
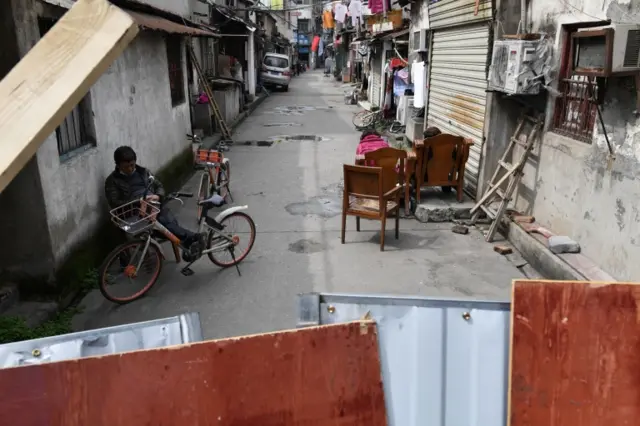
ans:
(327, 375)
(575, 354)
(53, 77)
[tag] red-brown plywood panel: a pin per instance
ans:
(575, 354)
(328, 375)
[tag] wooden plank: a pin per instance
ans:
(54, 76)
(327, 375)
(574, 353)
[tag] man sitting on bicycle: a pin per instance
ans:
(130, 181)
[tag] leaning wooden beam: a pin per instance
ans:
(325, 375)
(54, 76)
(574, 353)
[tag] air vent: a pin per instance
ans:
(632, 50)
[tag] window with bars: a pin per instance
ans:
(576, 108)
(76, 132)
(176, 73)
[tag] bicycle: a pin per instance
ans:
(371, 120)
(138, 218)
(216, 171)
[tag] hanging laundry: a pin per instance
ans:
(419, 84)
(355, 10)
(321, 47)
(376, 6)
(327, 20)
(315, 43)
(340, 12)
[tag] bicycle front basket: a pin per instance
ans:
(134, 217)
(204, 156)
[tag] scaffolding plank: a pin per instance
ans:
(312, 376)
(574, 353)
(53, 77)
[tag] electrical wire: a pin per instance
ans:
(566, 3)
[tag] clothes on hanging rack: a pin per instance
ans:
(340, 13)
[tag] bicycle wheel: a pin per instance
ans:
(224, 180)
(123, 263)
(242, 238)
(362, 119)
(203, 191)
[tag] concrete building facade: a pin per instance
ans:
(57, 201)
(571, 183)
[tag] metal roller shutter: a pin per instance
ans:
(449, 13)
(376, 78)
(457, 97)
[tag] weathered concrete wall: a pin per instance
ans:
(179, 7)
(228, 100)
(569, 185)
(132, 106)
(22, 213)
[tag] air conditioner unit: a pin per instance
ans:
(513, 67)
(404, 109)
(626, 48)
(419, 40)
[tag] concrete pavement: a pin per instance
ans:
(293, 189)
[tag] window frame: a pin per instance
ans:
(175, 69)
(76, 133)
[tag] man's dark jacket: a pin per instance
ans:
(118, 191)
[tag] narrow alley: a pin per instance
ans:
(293, 190)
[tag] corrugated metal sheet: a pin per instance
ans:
(103, 341)
(444, 362)
(457, 97)
(448, 13)
(161, 24)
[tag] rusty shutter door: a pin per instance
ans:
(457, 97)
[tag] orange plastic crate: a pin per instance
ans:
(208, 156)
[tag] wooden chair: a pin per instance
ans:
(393, 162)
(369, 195)
(441, 162)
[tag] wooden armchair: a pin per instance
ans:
(441, 162)
(393, 162)
(369, 195)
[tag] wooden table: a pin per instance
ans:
(410, 169)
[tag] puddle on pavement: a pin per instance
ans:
(256, 143)
(323, 206)
(305, 246)
(327, 205)
(298, 138)
(293, 109)
(282, 125)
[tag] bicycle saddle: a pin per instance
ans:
(214, 201)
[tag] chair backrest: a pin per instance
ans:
(442, 157)
(391, 160)
(363, 181)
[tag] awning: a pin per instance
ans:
(231, 16)
(394, 35)
(156, 23)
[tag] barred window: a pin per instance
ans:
(176, 73)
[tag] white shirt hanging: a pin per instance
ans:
(419, 84)
(355, 10)
(340, 12)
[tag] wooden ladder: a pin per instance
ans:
(220, 123)
(513, 173)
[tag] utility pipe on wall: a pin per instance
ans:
(523, 16)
